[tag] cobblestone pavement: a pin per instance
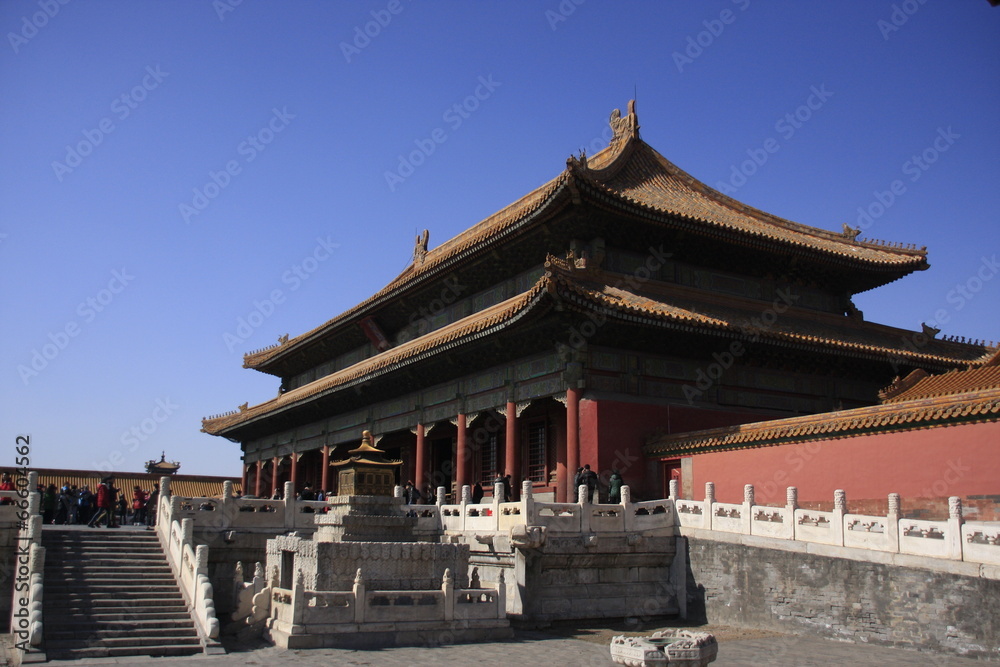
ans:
(534, 648)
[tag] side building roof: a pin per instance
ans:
(925, 401)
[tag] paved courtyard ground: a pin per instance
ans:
(554, 650)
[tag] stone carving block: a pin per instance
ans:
(668, 648)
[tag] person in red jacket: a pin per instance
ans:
(138, 506)
(106, 492)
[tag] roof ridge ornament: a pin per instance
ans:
(420, 247)
(625, 128)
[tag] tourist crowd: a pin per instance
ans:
(106, 504)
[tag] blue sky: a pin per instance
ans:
(170, 168)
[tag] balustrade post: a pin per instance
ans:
(360, 597)
(201, 559)
(466, 500)
(792, 498)
(953, 533)
(709, 505)
(675, 489)
(791, 504)
(628, 510)
(289, 505)
(746, 520)
(501, 596)
(439, 500)
(527, 503)
(892, 523)
(497, 499)
(448, 590)
(298, 603)
(839, 510)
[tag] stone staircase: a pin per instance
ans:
(110, 593)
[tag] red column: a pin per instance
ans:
(421, 465)
(274, 475)
(295, 471)
(460, 456)
(325, 473)
(572, 442)
(260, 474)
(243, 479)
(512, 451)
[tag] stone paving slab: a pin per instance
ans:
(532, 648)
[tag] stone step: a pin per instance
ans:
(116, 631)
(124, 553)
(132, 602)
(109, 642)
(125, 615)
(122, 651)
(97, 578)
(109, 564)
(112, 594)
(82, 560)
(75, 625)
(103, 584)
(100, 535)
(131, 598)
(84, 593)
(165, 647)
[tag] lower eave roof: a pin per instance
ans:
(659, 305)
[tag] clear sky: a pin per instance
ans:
(169, 168)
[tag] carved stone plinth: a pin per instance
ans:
(665, 649)
(365, 519)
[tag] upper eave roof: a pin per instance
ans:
(659, 304)
(631, 174)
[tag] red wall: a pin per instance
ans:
(938, 462)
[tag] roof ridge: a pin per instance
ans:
(519, 209)
(899, 385)
(608, 172)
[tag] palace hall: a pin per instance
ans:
(620, 301)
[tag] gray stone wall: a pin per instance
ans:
(797, 592)
(248, 548)
(569, 578)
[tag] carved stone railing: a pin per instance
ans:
(295, 610)
(952, 539)
(555, 518)
(188, 560)
(248, 515)
(28, 566)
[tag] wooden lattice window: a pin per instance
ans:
(537, 449)
(488, 461)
